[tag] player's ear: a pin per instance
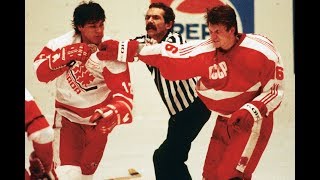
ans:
(169, 25)
(232, 30)
(79, 27)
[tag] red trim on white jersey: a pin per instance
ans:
(83, 88)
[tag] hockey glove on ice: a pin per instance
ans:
(37, 169)
(123, 51)
(68, 55)
(247, 115)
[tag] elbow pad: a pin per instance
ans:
(42, 136)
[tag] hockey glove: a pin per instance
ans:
(68, 55)
(37, 170)
(123, 51)
(247, 115)
(105, 118)
(109, 116)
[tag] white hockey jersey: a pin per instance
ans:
(83, 88)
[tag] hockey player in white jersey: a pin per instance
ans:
(40, 133)
(92, 96)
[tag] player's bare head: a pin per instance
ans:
(224, 15)
(87, 12)
(168, 15)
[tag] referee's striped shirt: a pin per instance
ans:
(176, 95)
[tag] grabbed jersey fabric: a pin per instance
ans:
(177, 95)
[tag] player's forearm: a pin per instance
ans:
(175, 68)
(42, 67)
(273, 86)
(45, 74)
(272, 98)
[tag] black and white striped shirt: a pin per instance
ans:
(176, 95)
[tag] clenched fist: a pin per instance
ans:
(123, 51)
(106, 119)
(67, 55)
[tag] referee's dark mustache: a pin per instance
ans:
(151, 26)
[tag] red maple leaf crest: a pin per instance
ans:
(82, 75)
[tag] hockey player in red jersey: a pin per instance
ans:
(41, 134)
(241, 79)
(92, 96)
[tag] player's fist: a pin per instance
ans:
(123, 51)
(67, 55)
(106, 119)
(150, 41)
(245, 117)
(37, 170)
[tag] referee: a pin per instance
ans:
(187, 112)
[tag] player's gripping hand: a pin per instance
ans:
(249, 113)
(68, 55)
(123, 51)
(150, 41)
(37, 170)
(106, 119)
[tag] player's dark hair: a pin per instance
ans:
(84, 13)
(168, 12)
(224, 15)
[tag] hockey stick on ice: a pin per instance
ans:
(133, 174)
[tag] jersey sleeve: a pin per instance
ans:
(273, 90)
(41, 61)
(179, 61)
(117, 78)
(34, 119)
(38, 131)
(41, 66)
(272, 76)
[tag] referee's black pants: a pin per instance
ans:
(169, 159)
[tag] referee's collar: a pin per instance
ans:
(164, 37)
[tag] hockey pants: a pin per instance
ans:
(78, 145)
(233, 153)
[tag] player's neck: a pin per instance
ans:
(233, 41)
(160, 36)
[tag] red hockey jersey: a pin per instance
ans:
(83, 88)
(251, 71)
(34, 119)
